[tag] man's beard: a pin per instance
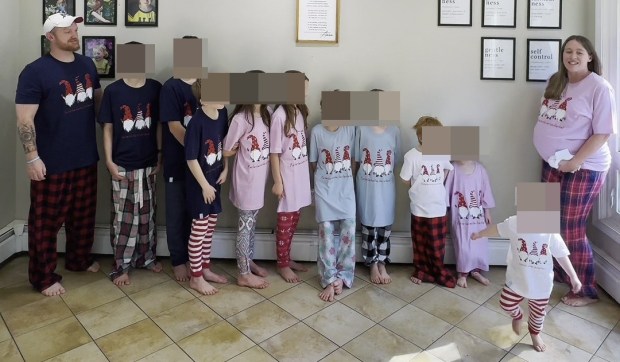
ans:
(69, 46)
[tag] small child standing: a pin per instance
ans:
(425, 175)
(469, 198)
(334, 195)
(530, 274)
(203, 152)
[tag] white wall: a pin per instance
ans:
(393, 45)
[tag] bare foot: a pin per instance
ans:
(289, 275)
(297, 267)
(53, 290)
(181, 273)
(538, 343)
(123, 279)
(327, 294)
(516, 326)
(462, 280)
(201, 286)
(338, 286)
(385, 277)
(480, 278)
(252, 281)
(94, 267)
(576, 301)
(258, 270)
(375, 274)
(212, 277)
(156, 267)
(415, 280)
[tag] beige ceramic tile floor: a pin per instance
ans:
(158, 319)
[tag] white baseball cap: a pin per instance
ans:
(60, 20)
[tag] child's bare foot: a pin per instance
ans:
(516, 326)
(156, 267)
(297, 267)
(462, 280)
(327, 294)
(289, 275)
(212, 277)
(258, 270)
(94, 267)
(201, 286)
(123, 279)
(181, 273)
(375, 274)
(480, 278)
(252, 281)
(385, 277)
(577, 301)
(538, 343)
(415, 280)
(53, 290)
(338, 283)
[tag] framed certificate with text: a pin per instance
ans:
(454, 13)
(544, 14)
(543, 59)
(318, 21)
(499, 13)
(497, 59)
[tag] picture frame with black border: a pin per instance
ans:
(540, 63)
(100, 12)
(102, 50)
(544, 14)
(454, 13)
(50, 7)
(497, 58)
(145, 16)
(499, 13)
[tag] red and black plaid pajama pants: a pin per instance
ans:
(578, 191)
(429, 246)
(70, 198)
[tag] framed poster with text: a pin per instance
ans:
(497, 59)
(499, 13)
(544, 14)
(454, 13)
(543, 59)
(318, 21)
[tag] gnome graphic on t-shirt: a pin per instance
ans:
(69, 97)
(255, 152)
(188, 113)
(81, 92)
(534, 257)
(379, 169)
(523, 253)
(474, 209)
(462, 205)
(346, 159)
(147, 119)
(544, 257)
(265, 150)
(296, 149)
(338, 163)
(329, 163)
(388, 163)
(367, 165)
(89, 86)
(219, 150)
(304, 148)
(211, 155)
(140, 123)
(424, 170)
(128, 121)
(560, 114)
(544, 107)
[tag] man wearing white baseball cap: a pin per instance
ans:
(55, 102)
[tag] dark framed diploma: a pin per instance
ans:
(543, 59)
(454, 13)
(497, 58)
(544, 14)
(499, 13)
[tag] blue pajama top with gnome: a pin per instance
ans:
(134, 114)
(377, 152)
(203, 142)
(177, 103)
(334, 192)
(64, 93)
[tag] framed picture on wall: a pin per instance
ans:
(101, 49)
(545, 14)
(318, 21)
(58, 6)
(454, 13)
(499, 13)
(141, 13)
(45, 45)
(543, 59)
(100, 12)
(497, 59)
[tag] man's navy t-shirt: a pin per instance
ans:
(65, 120)
(134, 114)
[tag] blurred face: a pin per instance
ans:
(575, 57)
(65, 38)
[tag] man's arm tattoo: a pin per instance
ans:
(28, 138)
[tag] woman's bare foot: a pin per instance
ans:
(94, 267)
(201, 286)
(338, 283)
(480, 278)
(297, 267)
(462, 280)
(258, 270)
(123, 279)
(212, 277)
(516, 326)
(375, 274)
(289, 275)
(252, 281)
(181, 272)
(538, 343)
(385, 277)
(156, 267)
(577, 301)
(327, 294)
(415, 280)
(53, 290)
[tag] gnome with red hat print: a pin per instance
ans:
(462, 205)
(367, 165)
(296, 149)
(561, 112)
(255, 151)
(379, 169)
(346, 159)
(128, 121)
(69, 97)
(338, 163)
(81, 92)
(329, 163)
(211, 155)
